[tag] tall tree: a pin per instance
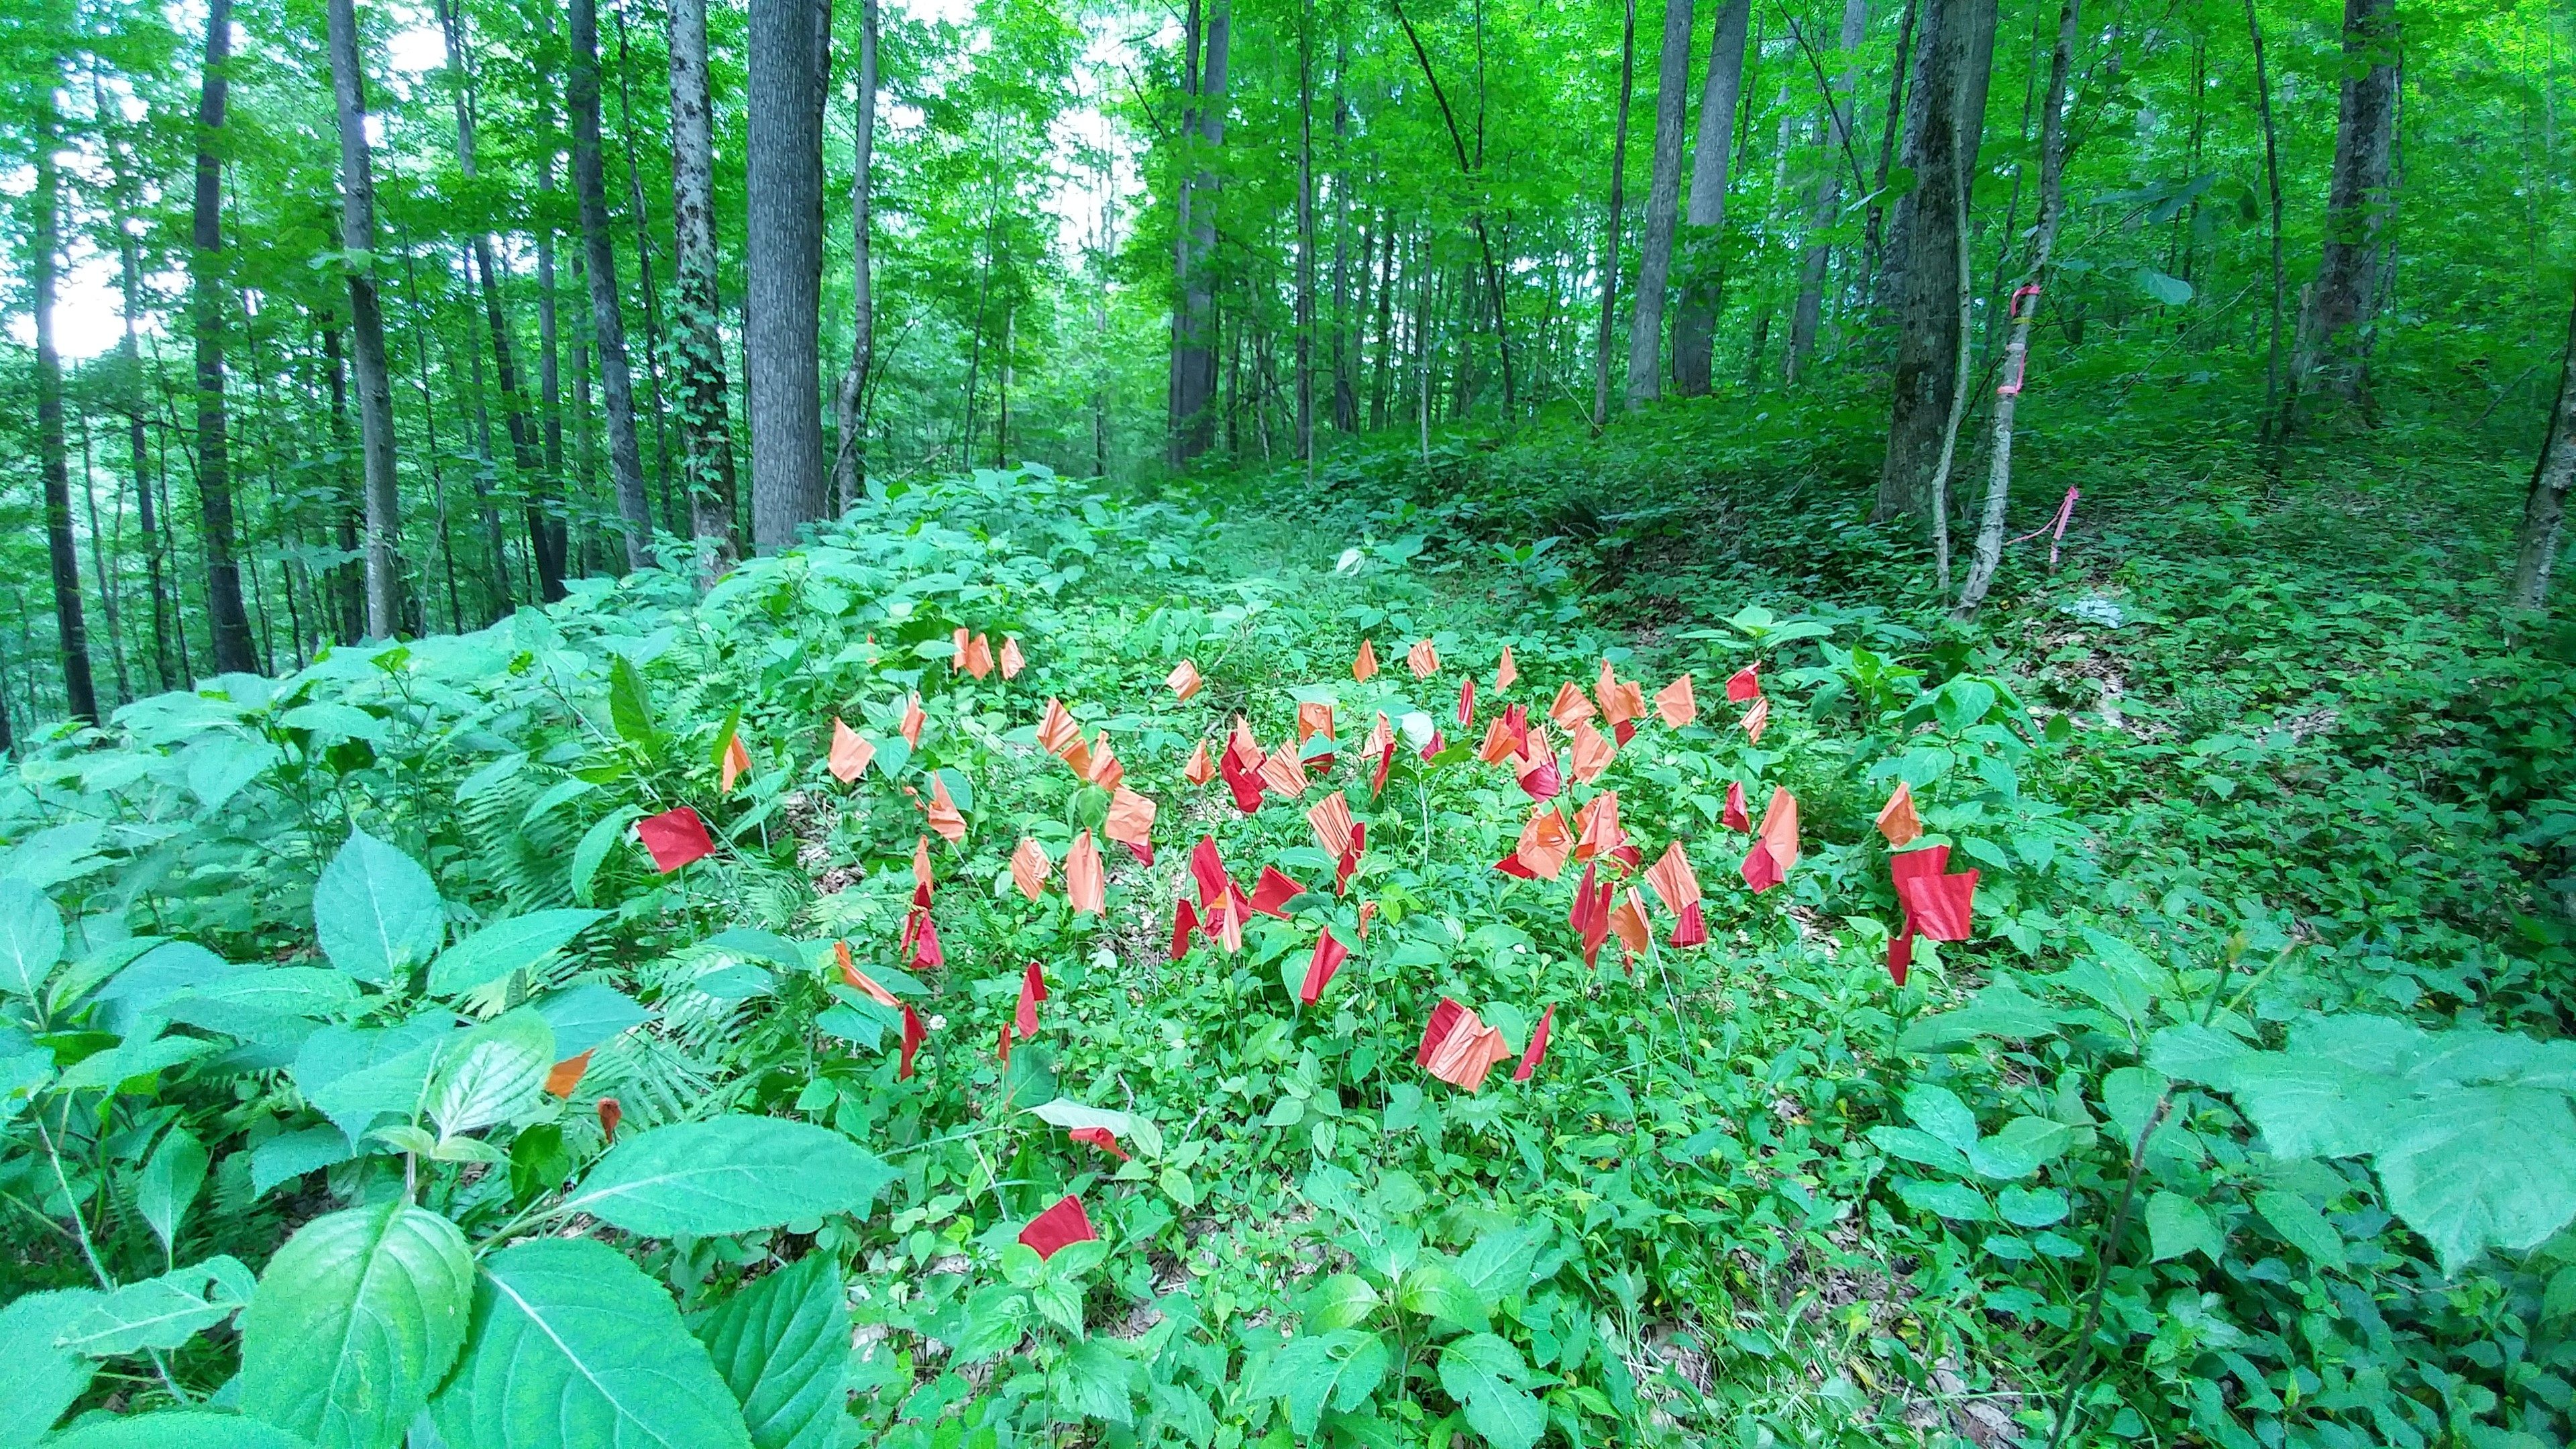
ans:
(790, 51)
(1663, 208)
(2334, 341)
(366, 326)
(1835, 159)
(514, 401)
(1193, 383)
(1931, 332)
(1306, 238)
(1611, 224)
(2544, 512)
(2043, 241)
(849, 461)
(1695, 315)
(227, 622)
(599, 251)
(52, 448)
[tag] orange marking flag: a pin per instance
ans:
(567, 1075)
(1677, 886)
(850, 753)
(1537, 1052)
(1103, 768)
(942, 812)
(1422, 659)
(1675, 704)
(1628, 923)
(1030, 867)
(1544, 845)
(1198, 771)
(1757, 719)
(1458, 1048)
(1184, 680)
(1328, 958)
(1012, 660)
(1084, 883)
(737, 763)
(979, 657)
(1593, 752)
(1775, 846)
(1131, 824)
(1057, 732)
(1330, 818)
(1284, 772)
(1364, 664)
(1570, 707)
(957, 649)
(913, 720)
(921, 870)
(1505, 672)
(1621, 703)
(1896, 819)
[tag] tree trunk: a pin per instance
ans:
(1926, 290)
(226, 619)
(790, 47)
(849, 462)
(1612, 224)
(2334, 340)
(706, 430)
(45, 216)
(1663, 208)
(607, 321)
(1305, 352)
(348, 578)
(2052, 210)
(1904, 116)
(1379, 404)
(1193, 340)
(2273, 411)
(2544, 515)
(1346, 393)
(1695, 316)
(548, 546)
(514, 401)
(139, 457)
(367, 328)
(1808, 319)
(644, 283)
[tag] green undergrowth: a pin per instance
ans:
(2270, 826)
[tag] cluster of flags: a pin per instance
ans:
(1457, 1047)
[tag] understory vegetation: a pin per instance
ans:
(2240, 1118)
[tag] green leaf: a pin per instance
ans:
(256, 1004)
(2029, 1207)
(1436, 1290)
(2484, 1167)
(1954, 1200)
(1482, 1372)
(2022, 1147)
(1097, 1381)
(1343, 1300)
(2001, 1010)
(220, 765)
(31, 938)
(783, 1346)
(2301, 1226)
(734, 1174)
(1938, 1110)
(177, 1429)
(1341, 1369)
(162, 1312)
(169, 1183)
(594, 846)
(492, 1073)
(43, 1380)
(630, 706)
(2177, 1225)
(515, 944)
(359, 1316)
(1920, 1148)
(572, 1348)
(585, 1015)
(293, 1154)
(376, 911)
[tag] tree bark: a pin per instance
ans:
(2544, 514)
(849, 462)
(139, 459)
(367, 328)
(2273, 414)
(789, 47)
(607, 321)
(1663, 208)
(52, 449)
(2334, 340)
(2052, 210)
(1194, 354)
(644, 283)
(1927, 322)
(548, 545)
(514, 401)
(1612, 224)
(1808, 319)
(1305, 352)
(1695, 317)
(226, 620)
(706, 430)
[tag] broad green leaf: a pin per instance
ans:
(2301, 1225)
(220, 765)
(1097, 1381)
(2177, 1225)
(572, 1348)
(555, 797)
(293, 1154)
(154, 980)
(138, 1058)
(2021, 1147)
(178, 1429)
(162, 1312)
(1139, 1133)
(376, 911)
(1921, 1148)
(1343, 1300)
(1435, 1289)
(1483, 1373)
(169, 1182)
(630, 705)
(44, 1380)
(353, 1075)
(1341, 1368)
(2490, 1167)
(515, 944)
(783, 1346)
(2001, 1010)
(2031, 1207)
(2310, 1108)
(492, 1073)
(359, 1316)
(587, 1014)
(31, 938)
(1498, 1264)
(1954, 1200)
(734, 1174)
(1938, 1110)
(593, 848)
